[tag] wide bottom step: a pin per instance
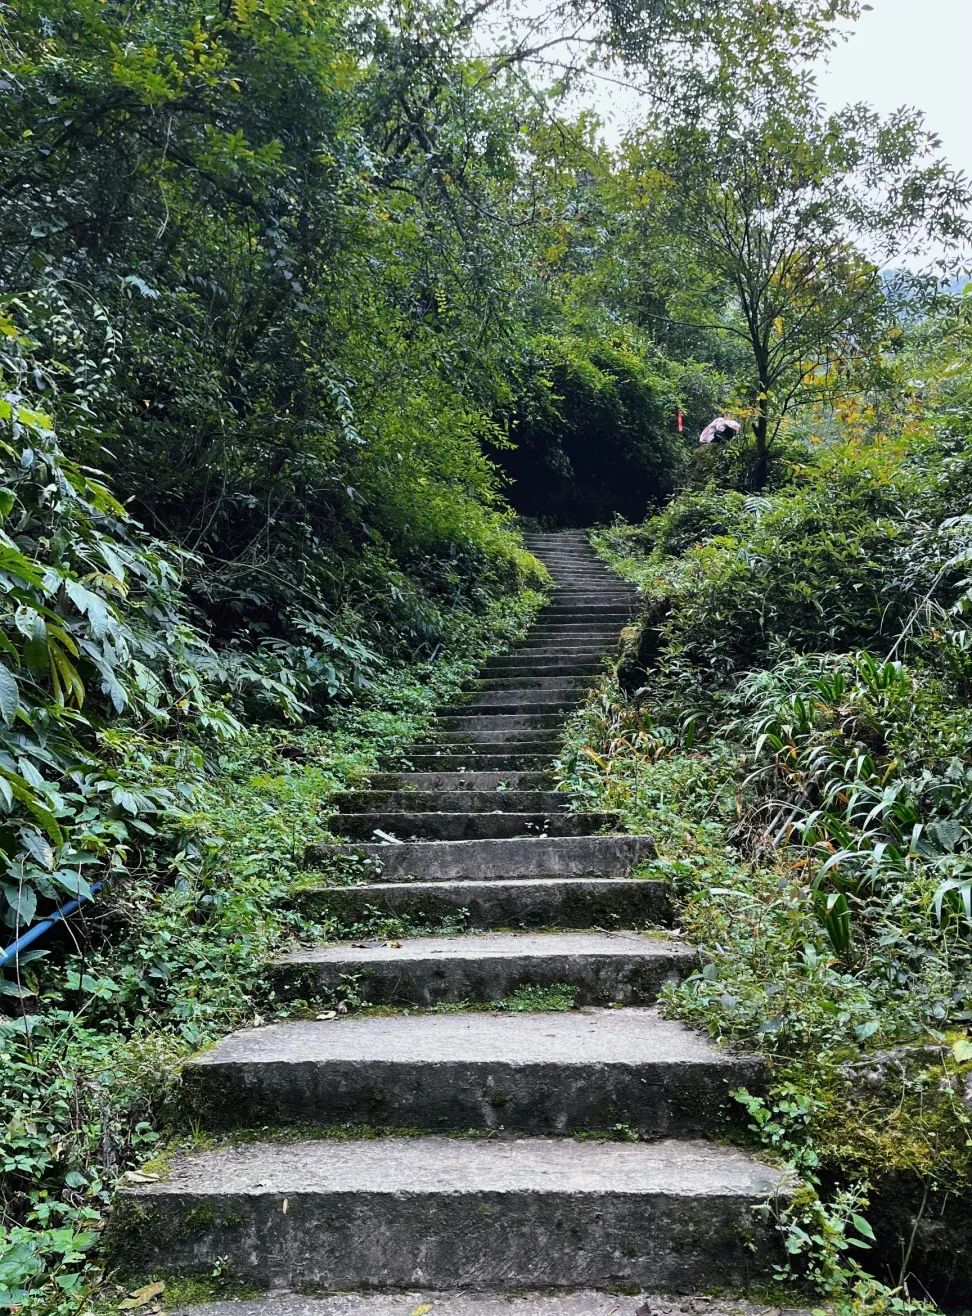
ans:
(585, 1302)
(441, 1212)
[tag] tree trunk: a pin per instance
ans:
(761, 460)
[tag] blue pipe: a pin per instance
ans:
(10, 953)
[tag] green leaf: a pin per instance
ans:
(28, 798)
(38, 848)
(9, 694)
(91, 606)
(23, 901)
(14, 563)
(962, 1050)
(862, 1227)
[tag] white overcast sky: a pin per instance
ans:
(904, 52)
(911, 52)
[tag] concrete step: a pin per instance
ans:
(517, 697)
(590, 590)
(497, 704)
(488, 746)
(470, 801)
(543, 1073)
(579, 1302)
(545, 652)
(576, 624)
(566, 666)
(588, 597)
(485, 742)
(587, 632)
(585, 611)
(534, 902)
(569, 564)
(443, 1213)
(603, 967)
(584, 616)
(584, 856)
(454, 826)
(461, 781)
(525, 683)
(472, 723)
(478, 762)
(493, 735)
(555, 651)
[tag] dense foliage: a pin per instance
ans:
(793, 727)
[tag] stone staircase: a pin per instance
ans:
(474, 1168)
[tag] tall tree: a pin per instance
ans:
(810, 225)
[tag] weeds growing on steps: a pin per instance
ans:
(793, 728)
(173, 958)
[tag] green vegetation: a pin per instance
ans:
(793, 728)
(300, 305)
(177, 957)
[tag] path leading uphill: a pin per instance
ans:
(549, 898)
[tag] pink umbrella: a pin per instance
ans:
(720, 429)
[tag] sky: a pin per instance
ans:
(903, 52)
(911, 52)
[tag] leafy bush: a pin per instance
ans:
(799, 748)
(595, 427)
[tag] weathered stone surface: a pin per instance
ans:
(593, 856)
(623, 967)
(441, 1212)
(499, 704)
(456, 826)
(503, 742)
(587, 611)
(581, 648)
(462, 781)
(580, 625)
(458, 762)
(586, 1303)
(535, 1073)
(483, 744)
(502, 692)
(549, 666)
(472, 722)
(550, 902)
(519, 681)
(470, 801)
(492, 735)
